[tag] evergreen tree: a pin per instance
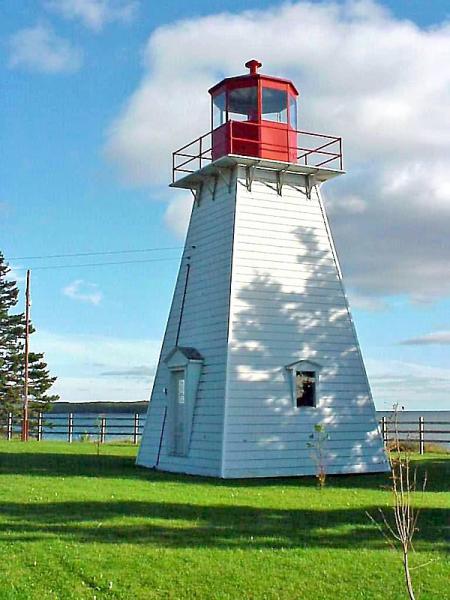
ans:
(12, 358)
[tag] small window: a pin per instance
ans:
(305, 388)
(219, 110)
(243, 104)
(293, 112)
(274, 105)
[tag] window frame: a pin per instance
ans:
(304, 365)
(216, 109)
(285, 110)
(254, 88)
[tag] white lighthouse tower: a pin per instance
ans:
(260, 346)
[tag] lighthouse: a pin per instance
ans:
(260, 346)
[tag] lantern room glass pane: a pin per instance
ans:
(274, 105)
(243, 104)
(219, 110)
(293, 112)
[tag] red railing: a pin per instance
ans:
(312, 149)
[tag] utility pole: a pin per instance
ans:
(27, 351)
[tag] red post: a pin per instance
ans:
(231, 137)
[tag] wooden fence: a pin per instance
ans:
(78, 426)
(419, 432)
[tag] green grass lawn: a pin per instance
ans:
(74, 525)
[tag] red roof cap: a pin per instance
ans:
(253, 65)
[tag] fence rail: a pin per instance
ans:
(420, 435)
(78, 426)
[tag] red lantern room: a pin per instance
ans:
(254, 115)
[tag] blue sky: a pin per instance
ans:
(96, 93)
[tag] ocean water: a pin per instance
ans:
(121, 426)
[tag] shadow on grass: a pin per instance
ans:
(123, 467)
(188, 525)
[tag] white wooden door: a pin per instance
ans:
(179, 417)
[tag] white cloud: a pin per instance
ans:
(412, 385)
(178, 213)
(83, 291)
(95, 14)
(367, 303)
(93, 367)
(39, 49)
(100, 389)
(380, 82)
(139, 372)
(435, 338)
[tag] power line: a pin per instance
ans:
(93, 253)
(124, 262)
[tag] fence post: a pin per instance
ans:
(103, 430)
(136, 428)
(9, 427)
(70, 428)
(384, 432)
(39, 427)
(421, 436)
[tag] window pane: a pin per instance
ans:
(305, 388)
(274, 105)
(243, 104)
(293, 112)
(219, 113)
(181, 391)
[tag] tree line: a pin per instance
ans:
(12, 358)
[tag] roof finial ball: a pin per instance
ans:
(253, 65)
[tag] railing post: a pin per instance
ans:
(9, 427)
(201, 151)
(70, 428)
(384, 432)
(136, 428)
(103, 430)
(39, 427)
(421, 436)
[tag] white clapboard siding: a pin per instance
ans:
(204, 327)
(264, 291)
(288, 303)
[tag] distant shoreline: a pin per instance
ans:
(100, 407)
